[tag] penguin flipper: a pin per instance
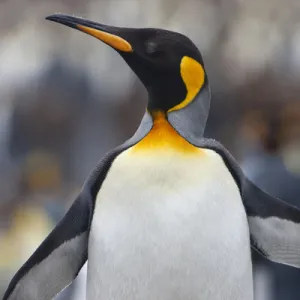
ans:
(60, 257)
(57, 261)
(274, 224)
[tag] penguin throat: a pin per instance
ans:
(165, 94)
(164, 137)
(175, 91)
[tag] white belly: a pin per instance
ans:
(169, 227)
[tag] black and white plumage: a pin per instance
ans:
(168, 214)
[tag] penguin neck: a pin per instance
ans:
(178, 130)
(190, 121)
(165, 95)
(163, 137)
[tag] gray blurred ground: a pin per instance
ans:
(65, 99)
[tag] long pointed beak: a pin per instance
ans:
(108, 34)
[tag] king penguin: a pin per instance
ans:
(169, 214)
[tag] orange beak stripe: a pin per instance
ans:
(112, 40)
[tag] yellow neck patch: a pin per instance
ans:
(193, 75)
(164, 137)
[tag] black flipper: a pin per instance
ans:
(58, 260)
(274, 224)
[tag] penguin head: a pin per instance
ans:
(168, 63)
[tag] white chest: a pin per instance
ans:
(169, 227)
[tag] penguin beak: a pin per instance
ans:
(108, 34)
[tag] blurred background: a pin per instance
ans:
(66, 98)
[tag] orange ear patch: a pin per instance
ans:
(193, 76)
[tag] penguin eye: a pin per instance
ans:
(153, 50)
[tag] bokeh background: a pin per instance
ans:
(66, 98)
